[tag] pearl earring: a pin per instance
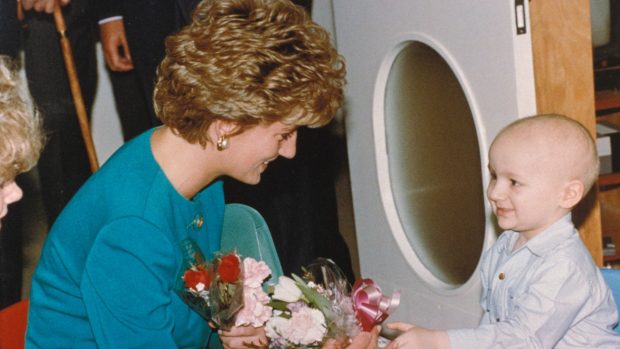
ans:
(222, 143)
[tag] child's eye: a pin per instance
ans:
(514, 183)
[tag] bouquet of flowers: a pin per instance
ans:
(227, 291)
(301, 311)
(320, 305)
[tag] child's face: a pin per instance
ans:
(10, 192)
(526, 185)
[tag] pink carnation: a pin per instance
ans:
(255, 311)
(305, 327)
(255, 272)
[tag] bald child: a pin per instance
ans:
(540, 286)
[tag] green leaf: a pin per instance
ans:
(279, 305)
(316, 299)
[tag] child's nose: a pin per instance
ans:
(495, 192)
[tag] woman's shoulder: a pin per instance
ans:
(136, 153)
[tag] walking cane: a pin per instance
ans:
(74, 83)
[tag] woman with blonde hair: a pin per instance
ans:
(21, 137)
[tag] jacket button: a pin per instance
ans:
(197, 222)
(501, 276)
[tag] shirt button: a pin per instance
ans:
(197, 222)
(501, 276)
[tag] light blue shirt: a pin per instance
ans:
(547, 294)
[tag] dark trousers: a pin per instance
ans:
(63, 166)
(147, 23)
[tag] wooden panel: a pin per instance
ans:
(563, 71)
(607, 99)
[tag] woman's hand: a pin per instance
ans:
(418, 337)
(364, 340)
(244, 337)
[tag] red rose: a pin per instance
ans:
(228, 269)
(199, 275)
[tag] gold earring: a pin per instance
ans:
(222, 143)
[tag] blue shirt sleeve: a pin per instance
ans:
(127, 286)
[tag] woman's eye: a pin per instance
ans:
(286, 136)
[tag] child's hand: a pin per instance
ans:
(244, 337)
(395, 329)
(418, 337)
(364, 340)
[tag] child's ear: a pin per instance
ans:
(572, 194)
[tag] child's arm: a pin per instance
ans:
(540, 317)
(418, 337)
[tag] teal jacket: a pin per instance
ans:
(107, 273)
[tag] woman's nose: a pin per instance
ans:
(12, 193)
(288, 148)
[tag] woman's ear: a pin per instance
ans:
(224, 128)
(572, 194)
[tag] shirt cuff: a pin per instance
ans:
(462, 339)
(110, 19)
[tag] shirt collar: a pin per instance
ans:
(544, 242)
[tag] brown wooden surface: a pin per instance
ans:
(607, 180)
(76, 91)
(607, 99)
(610, 218)
(563, 71)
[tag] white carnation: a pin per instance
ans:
(286, 290)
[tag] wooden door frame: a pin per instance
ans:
(564, 78)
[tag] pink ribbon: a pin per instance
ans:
(370, 305)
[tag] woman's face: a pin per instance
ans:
(252, 150)
(10, 192)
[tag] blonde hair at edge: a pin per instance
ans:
(568, 139)
(250, 62)
(21, 137)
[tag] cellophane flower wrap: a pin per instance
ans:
(320, 305)
(195, 281)
(226, 291)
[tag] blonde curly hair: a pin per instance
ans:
(21, 138)
(251, 62)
